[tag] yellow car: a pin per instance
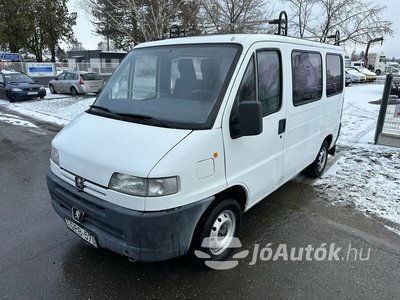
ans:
(370, 76)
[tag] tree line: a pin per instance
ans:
(39, 25)
(125, 23)
(35, 26)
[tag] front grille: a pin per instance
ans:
(93, 210)
(89, 187)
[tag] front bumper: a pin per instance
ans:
(143, 236)
(24, 95)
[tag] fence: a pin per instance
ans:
(52, 69)
(388, 125)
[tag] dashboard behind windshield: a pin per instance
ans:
(181, 85)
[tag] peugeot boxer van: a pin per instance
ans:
(191, 132)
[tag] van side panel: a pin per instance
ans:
(311, 123)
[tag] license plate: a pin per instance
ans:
(84, 234)
(32, 93)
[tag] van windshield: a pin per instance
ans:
(180, 86)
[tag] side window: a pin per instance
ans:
(1, 79)
(334, 74)
(144, 77)
(61, 76)
(307, 77)
(269, 81)
(68, 76)
(247, 89)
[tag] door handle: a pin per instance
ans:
(282, 126)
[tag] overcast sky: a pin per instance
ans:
(84, 30)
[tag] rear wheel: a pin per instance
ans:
(217, 228)
(52, 89)
(318, 166)
(9, 97)
(74, 92)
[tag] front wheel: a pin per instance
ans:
(317, 167)
(9, 97)
(378, 72)
(52, 89)
(217, 229)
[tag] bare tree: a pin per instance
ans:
(358, 21)
(302, 15)
(135, 20)
(235, 16)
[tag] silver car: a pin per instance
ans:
(76, 82)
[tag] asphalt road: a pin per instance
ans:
(41, 259)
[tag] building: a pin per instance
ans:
(103, 62)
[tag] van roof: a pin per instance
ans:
(243, 39)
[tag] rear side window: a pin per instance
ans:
(334, 74)
(90, 76)
(307, 77)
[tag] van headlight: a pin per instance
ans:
(145, 187)
(54, 156)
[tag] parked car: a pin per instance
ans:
(356, 76)
(395, 90)
(369, 75)
(76, 82)
(348, 80)
(19, 86)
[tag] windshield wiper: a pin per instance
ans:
(144, 117)
(105, 109)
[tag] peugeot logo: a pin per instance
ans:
(79, 183)
(77, 215)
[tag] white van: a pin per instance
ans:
(191, 132)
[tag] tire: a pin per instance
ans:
(317, 167)
(378, 72)
(9, 97)
(52, 89)
(222, 221)
(74, 92)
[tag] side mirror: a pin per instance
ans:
(250, 118)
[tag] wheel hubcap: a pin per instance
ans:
(222, 232)
(322, 159)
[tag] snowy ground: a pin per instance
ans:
(364, 176)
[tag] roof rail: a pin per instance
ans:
(335, 36)
(282, 23)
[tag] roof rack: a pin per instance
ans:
(282, 23)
